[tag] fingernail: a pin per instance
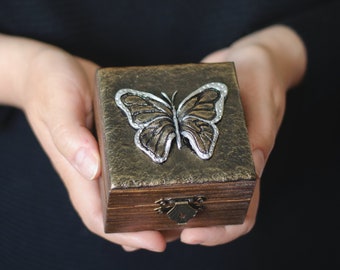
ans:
(129, 249)
(86, 163)
(259, 162)
(190, 238)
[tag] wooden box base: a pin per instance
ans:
(184, 190)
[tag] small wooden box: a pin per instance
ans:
(163, 186)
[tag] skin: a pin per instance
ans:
(55, 91)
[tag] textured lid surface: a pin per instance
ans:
(127, 166)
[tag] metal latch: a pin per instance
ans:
(180, 210)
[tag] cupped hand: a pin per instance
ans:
(268, 63)
(55, 90)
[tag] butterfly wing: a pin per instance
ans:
(153, 119)
(197, 115)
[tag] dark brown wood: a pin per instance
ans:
(131, 182)
(133, 209)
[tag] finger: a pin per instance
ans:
(211, 236)
(129, 249)
(89, 207)
(217, 56)
(218, 235)
(86, 199)
(76, 143)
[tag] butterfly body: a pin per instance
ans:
(158, 121)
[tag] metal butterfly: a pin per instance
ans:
(158, 121)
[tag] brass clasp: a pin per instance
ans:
(180, 210)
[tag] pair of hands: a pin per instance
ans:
(55, 90)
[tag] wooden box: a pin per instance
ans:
(174, 146)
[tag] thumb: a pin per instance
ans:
(69, 122)
(76, 143)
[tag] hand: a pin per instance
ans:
(268, 63)
(54, 89)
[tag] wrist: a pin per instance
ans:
(285, 49)
(16, 54)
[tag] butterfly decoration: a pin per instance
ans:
(158, 122)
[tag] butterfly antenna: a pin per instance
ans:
(173, 97)
(166, 97)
